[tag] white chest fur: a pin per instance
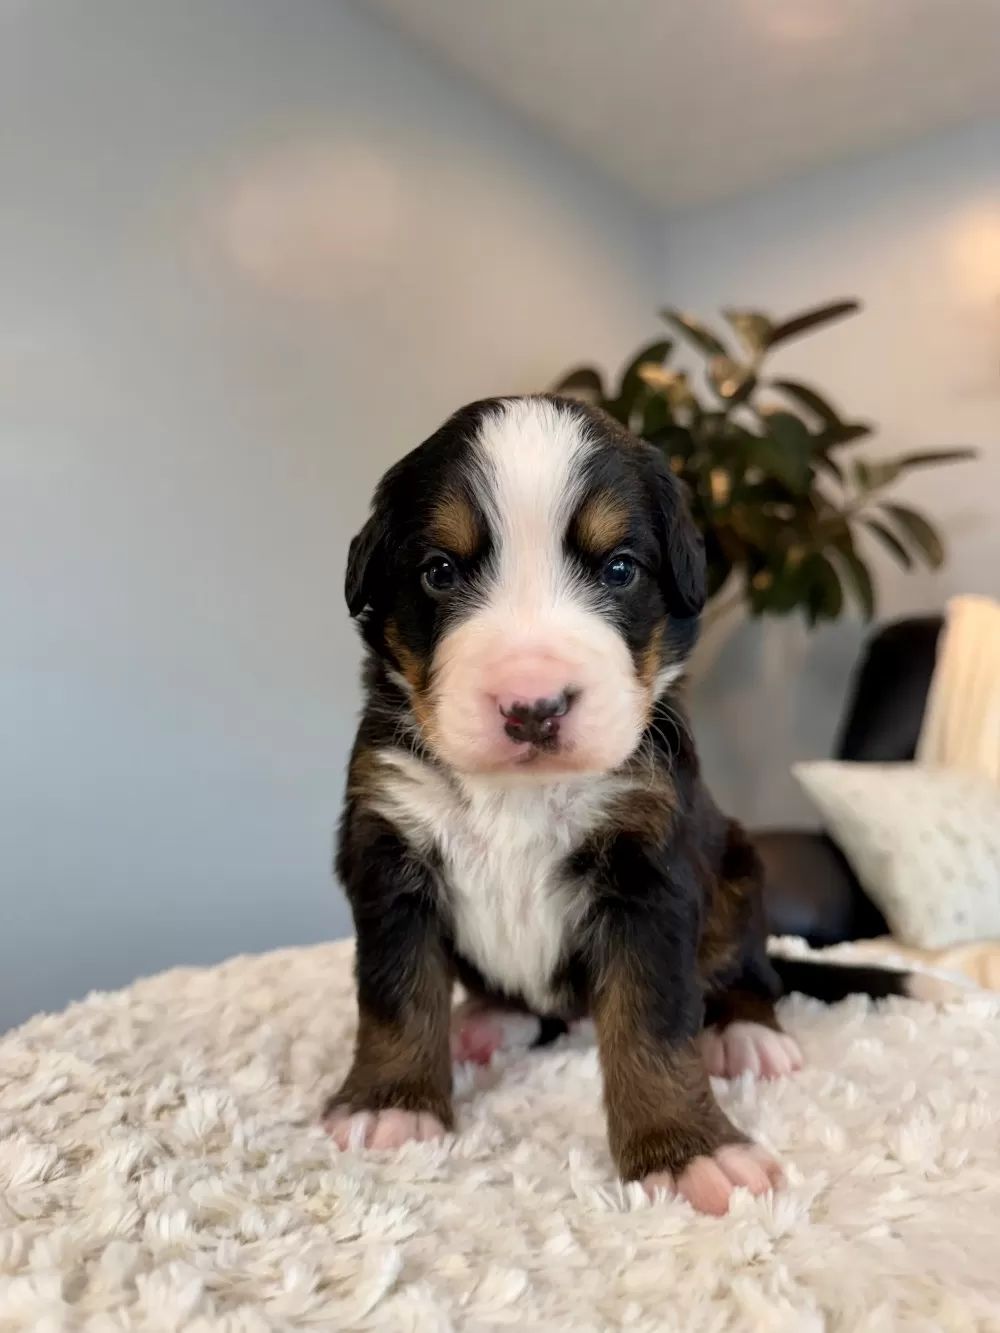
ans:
(503, 850)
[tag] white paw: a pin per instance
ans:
(708, 1182)
(381, 1129)
(478, 1032)
(749, 1048)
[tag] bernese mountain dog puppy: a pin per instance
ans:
(524, 812)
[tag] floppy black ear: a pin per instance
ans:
(683, 577)
(366, 558)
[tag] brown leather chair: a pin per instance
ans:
(809, 889)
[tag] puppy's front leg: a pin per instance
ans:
(399, 1085)
(665, 1127)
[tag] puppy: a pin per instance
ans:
(524, 811)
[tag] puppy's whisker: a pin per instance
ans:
(647, 750)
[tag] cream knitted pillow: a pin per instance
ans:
(923, 842)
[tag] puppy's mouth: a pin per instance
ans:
(542, 761)
(536, 753)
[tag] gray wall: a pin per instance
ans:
(249, 254)
(916, 234)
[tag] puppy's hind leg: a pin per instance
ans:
(484, 1024)
(742, 1033)
(743, 1036)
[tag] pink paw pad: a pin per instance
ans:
(707, 1183)
(750, 1048)
(381, 1129)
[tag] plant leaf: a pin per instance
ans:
(811, 319)
(719, 569)
(824, 596)
(919, 532)
(890, 541)
(752, 524)
(752, 327)
(652, 354)
(872, 476)
(655, 377)
(931, 457)
(847, 432)
(632, 384)
(731, 381)
(584, 381)
(858, 575)
(672, 384)
(785, 450)
(832, 466)
(656, 415)
(676, 444)
(810, 399)
(694, 330)
(876, 474)
(778, 589)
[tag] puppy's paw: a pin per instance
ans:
(708, 1182)
(380, 1129)
(479, 1032)
(749, 1048)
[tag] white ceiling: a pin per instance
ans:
(689, 101)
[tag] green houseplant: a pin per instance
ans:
(776, 483)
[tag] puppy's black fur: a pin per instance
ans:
(667, 934)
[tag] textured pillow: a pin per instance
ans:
(924, 843)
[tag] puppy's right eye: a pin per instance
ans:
(439, 575)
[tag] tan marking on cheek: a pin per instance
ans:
(602, 523)
(648, 667)
(652, 657)
(412, 668)
(455, 527)
(414, 671)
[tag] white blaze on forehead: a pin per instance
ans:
(536, 627)
(531, 454)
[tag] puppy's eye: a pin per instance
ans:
(439, 575)
(619, 572)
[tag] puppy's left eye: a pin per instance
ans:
(619, 572)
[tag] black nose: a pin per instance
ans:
(538, 721)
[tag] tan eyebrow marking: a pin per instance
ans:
(602, 523)
(454, 525)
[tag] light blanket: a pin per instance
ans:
(162, 1168)
(961, 726)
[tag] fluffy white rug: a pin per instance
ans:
(161, 1168)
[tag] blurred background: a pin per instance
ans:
(251, 253)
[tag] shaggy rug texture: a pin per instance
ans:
(161, 1168)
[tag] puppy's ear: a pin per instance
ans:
(366, 563)
(683, 578)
